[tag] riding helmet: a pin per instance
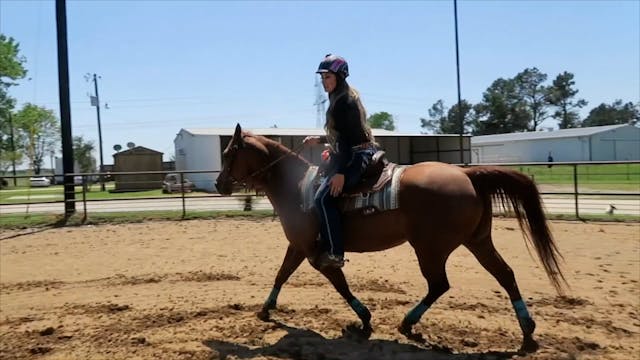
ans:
(334, 64)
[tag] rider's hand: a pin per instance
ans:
(337, 182)
(311, 140)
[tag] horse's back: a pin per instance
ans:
(441, 178)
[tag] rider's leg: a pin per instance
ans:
(330, 220)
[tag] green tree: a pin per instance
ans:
(466, 112)
(11, 69)
(40, 130)
(501, 111)
(439, 123)
(533, 94)
(7, 156)
(562, 96)
(11, 63)
(434, 124)
(83, 154)
(616, 113)
(381, 120)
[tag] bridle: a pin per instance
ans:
(243, 180)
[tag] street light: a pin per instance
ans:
(460, 120)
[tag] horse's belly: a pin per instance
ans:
(374, 232)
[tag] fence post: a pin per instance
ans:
(84, 196)
(248, 200)
(184, 208)
(575, 189)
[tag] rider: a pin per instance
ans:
(352, 147)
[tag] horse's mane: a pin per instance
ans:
(274, 147)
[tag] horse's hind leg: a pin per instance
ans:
(337, 279)
(491, 260)
(292, 260)
(432, 264)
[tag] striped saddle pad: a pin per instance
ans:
(384, 199)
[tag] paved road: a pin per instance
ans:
(553, 204)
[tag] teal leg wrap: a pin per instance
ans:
(521, 309)
(526, 322)
(415, 314)
(272, 299)
(360, 309)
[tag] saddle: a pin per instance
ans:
(377, 190)
(375, 176)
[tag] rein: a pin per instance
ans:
(295, 151)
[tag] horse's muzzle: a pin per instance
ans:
(224, 187)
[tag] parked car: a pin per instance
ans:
(39, 181)
(172, 184)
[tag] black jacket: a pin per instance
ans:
(349, 131)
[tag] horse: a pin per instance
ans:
(441, 207)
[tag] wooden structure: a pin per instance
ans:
(137, 159)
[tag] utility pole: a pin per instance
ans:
(65, 108)
(97, 105)
(13, 149)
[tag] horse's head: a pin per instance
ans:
(243, 157)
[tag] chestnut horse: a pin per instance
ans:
(441, 207)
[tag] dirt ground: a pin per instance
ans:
(190, 290)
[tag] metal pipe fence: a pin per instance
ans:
(571, 188)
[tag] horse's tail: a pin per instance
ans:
(515, 190)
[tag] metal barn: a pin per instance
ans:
(201, 149)
(598, 143)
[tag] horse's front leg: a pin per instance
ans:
(292, 260)
(337, 279)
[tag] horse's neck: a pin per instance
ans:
(283, 182)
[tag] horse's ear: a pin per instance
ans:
(238, 133)
(237, 136)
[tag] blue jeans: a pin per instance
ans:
(327, 205)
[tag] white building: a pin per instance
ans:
(598, 143)
(59, 170)
(201, 149)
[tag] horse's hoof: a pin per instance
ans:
(357, 332)
(405, 329)
(263, 315)
(529, 345)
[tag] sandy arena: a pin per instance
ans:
(190, 290)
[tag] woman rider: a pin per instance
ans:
(352, 147)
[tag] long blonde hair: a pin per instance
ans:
(329, 125)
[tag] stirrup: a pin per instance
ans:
(325, 260)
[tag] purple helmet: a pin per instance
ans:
(334, 64)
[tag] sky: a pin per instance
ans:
(167, 65)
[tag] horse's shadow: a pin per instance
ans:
(309, 345)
